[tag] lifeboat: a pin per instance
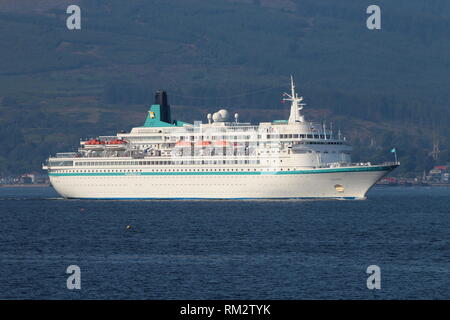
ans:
(94, 144)
(116, 141)
(183, 144)
(203, 143)
(221, 143)
(116, 144)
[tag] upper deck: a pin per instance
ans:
(221, 140)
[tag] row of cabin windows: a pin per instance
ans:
(143, 138)
(296, 136)
(168, 162)
(192, 138)
(322, 142)
(303, 151)
(169, 170)
(60, 163)
(269, 136)
(158, 170)
(239, 137)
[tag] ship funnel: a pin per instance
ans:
(161, 100)
(159, 113)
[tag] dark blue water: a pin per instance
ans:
(226, 249)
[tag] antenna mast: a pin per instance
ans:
(296, 104)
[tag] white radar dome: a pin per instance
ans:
(217, 117)
(225, 114)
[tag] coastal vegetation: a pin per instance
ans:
(382, 88)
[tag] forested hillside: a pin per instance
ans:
(382, 88)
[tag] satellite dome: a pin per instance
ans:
(225, 114)
(217, 117)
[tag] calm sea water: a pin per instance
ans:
(226, 249)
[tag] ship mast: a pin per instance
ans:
(296, 104)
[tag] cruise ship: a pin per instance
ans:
(222, 158)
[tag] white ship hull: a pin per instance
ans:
(343, 183)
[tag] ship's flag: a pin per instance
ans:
(393, 150)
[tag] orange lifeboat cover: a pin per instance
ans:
(116, 141)
(183, 144)
(221, 143)
(94, 142)
(203, 143)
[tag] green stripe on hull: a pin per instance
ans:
(196, 173)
